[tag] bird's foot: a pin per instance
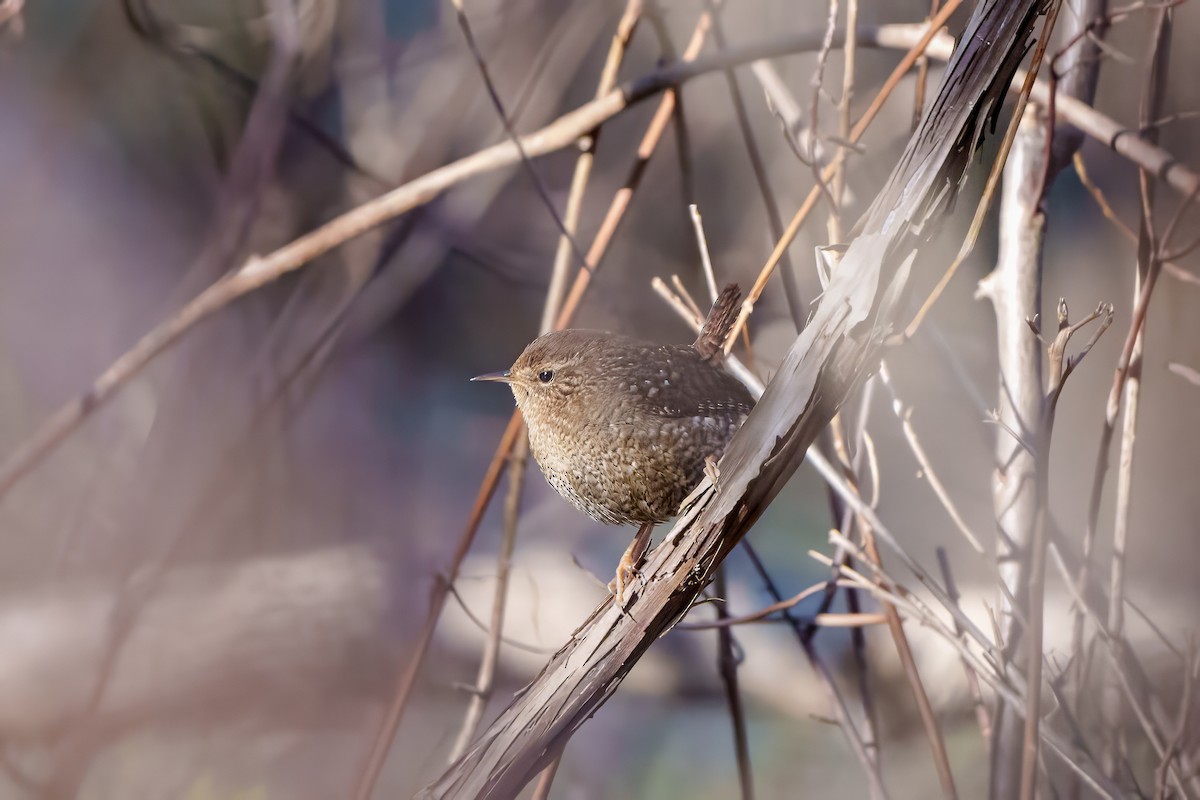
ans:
(627, 573)
(627, 569)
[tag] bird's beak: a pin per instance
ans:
(502, 377)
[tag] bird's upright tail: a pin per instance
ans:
(710, 344)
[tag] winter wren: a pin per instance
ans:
(622, 427)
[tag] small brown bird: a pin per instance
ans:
(622, 427)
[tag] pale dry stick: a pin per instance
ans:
(791, 291)
(706, 265)
(993, 179)
(562, 132)
(1059, 368)
(1153, 93)
(485, 680)
(727, 667)
(685, 296)
(930, 31)
(842, 619)
(587, 158)
(904, 414)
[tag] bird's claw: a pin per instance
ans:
(627, 573)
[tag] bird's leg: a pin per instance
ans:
(627, 568)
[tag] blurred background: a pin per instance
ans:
(207, 591)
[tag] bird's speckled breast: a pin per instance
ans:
(636, 448)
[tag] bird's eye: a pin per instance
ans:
(546, 375)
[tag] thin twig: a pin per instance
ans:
(1148, 265)
(904, 414)
(993, 179)
(727, 666)
(837, 702)
(368, 774)
(481, 692)
(981, 713)
(791, 290)
(933, 732)
(1190, 665)
(583, 165)
(1060, 367)
(849, 59)
(793, 227)
(539, 186)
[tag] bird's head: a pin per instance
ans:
(555, 371)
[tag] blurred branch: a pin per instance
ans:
(1148, 268)
(10, 17)
(208, 639)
